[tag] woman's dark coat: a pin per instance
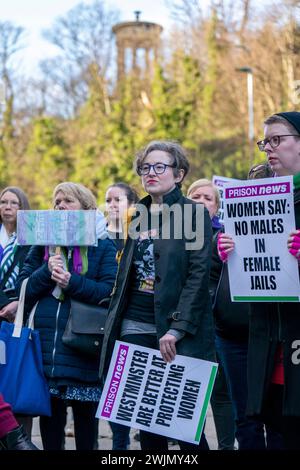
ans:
(271, 323)
(231, 318)
(181, 291)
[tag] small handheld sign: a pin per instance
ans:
(144, 392)
(56, 228)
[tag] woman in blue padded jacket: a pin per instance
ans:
(87, 275)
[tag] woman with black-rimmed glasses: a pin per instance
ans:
(274, 337)
(161, 297)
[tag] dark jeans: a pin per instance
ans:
(223, 412)
(286, 426)
(53, 428)
(233, 355)
(155, 442)
(120, 440)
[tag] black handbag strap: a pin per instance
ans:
(17, 257)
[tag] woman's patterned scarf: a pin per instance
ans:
(79, 255)
(6, 259)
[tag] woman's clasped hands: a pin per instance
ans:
(58, 273)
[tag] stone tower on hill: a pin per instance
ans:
(138, 46)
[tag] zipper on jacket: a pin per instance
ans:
(55, 338)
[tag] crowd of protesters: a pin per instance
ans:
(164, 296)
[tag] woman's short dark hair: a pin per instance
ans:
(22, 198)
(131, 194)
(174, 149)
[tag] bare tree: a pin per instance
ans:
(64, 87)
(83, 37)
(11, 38)
(185, 11)
(11, 41)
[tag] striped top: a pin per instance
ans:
(8, 248)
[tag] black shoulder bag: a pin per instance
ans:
(85, 327)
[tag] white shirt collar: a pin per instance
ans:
(4, 236)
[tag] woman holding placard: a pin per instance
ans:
(161, 297)
(86, 274)
(232, 331)
(204, 191)
(274, 386)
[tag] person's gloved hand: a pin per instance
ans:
(294, 244)
(225, 246)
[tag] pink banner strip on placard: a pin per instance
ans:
(115, 381)
(261, 190)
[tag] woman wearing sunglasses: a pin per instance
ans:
(161, 297)
(274, 386)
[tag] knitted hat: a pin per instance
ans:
(293, 117)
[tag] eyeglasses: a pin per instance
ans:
(273, 141)
(9, 203)
(159, 168)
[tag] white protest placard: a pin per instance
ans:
(259, 215)
(220, 182)
(143, 392)
(56, 228)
